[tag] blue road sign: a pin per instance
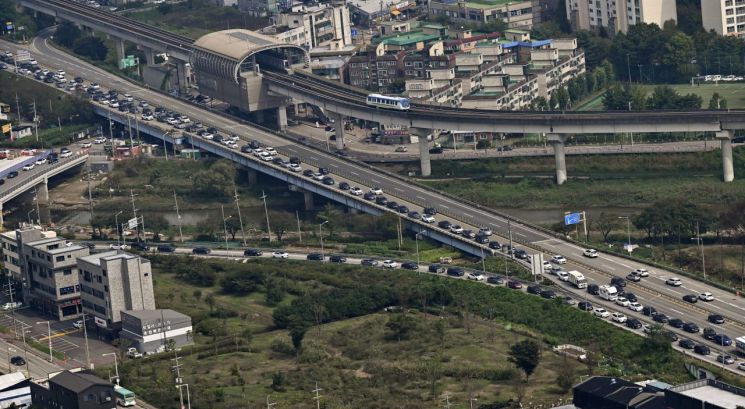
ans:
(572, 218)
(354, 32)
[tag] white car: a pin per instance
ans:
(99, 140)
(646, 328)
(641, 272)
(476, 277)
(41, 161)
(618, 317)
(258, 151)
(706, 296)
(61, 73)
(78, 324)
(147, 117)
(129, 98)
(280, 254)
(28, 166)
(85, 145)
(558, 259)
(635, 306)
(114, 104)
(674, 281)
(5, 151)
(294, 167)
(741, 366)
(622, 302)
(266, 157)
(207, 135)
(118, 246)
(428, 218)
(601, 312)
(271, 150)
(318, 176)
(11, 305)
(390, 264)
(563, 275)
(485, 231)
(65, 154)
(376, 190)
(355, 191)
(456, 228)
(547, 266)
(591, 253)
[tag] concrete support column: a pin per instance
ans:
(119, 46)
(558, 140)
(252, 175)
(282, 118)
(259, 115)
(308, 197)
(728, 170)
(42, 192)
(338, 129)
(424, 161)
(2, 218)
(149, 56)
(183, 82)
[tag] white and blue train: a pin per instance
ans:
(382, 101)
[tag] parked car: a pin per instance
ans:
(390, 264)
(476, 276)
(701, 349)
(585, 306)
(369, 262)
(455, 272)
(165, 248)
(335, 258)
(497, 280)
(252, 252)
(436, 268)
(314, 257)
(280, 254)
(534, 289)
(686, 344)
(515, 285)
(201, 250)
(633, 323)
(410, 265)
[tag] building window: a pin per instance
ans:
(106, 288)
(59, 258)
(67, 271)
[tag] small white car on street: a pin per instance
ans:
(641, 272)
(376, 190)
(635, 306)
(706, 296)
(280, 254)
(28, 166)
(355, 191)
(390, 264)
(674, 281)
(591, 253)
(476, 277)
(618, 317)
(558, 259)
(563, 275)
(622, 302)
(601, 312)
(428, 218)
(78, 324)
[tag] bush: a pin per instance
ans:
(282, 347)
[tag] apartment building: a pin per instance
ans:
(314, 26)
(50, 269)
(112, 282)
(618, 15)
(517, 14)
(258, 8)
(725, 17)
(151, 330)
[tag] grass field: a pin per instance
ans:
(734, 93)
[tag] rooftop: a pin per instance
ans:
(77, 382)
(145, 315)
(411, 37)
(713, 392)
(235, 44)
(107, 255)
(486, 4)
(11, 379)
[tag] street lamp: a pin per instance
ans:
(416, 243)
(628, 230)
(29, 215)
(49, 336)
(225, 227)
(116, 367)
(320, 235)
(116, 224)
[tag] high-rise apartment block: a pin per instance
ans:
(725, 17)
(618, 15)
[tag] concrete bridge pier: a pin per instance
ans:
(338, 129)
(282, 118)
(42, 192)
(120, 53)
(558, 140)
(424, 161)
(149, 55)
(182, 75)
(728, 170)
(252, 175)
(308, 199)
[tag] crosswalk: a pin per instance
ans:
(60, 342)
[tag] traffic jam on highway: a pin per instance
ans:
(613, 301)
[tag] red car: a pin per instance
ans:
(515, 285)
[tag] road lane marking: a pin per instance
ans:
(355, 173)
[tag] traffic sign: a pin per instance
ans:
(132, 223)
(572, 218)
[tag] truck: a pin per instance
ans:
(740, 345)
(577, 279)
(608, 292)
(133, 353)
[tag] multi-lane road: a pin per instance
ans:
(651, 290)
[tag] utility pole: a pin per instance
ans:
(701, 244)
(509, 231)
(448, 405)
(13, 310)
(240, 219)
(299, 233)
(87, 351)
(268, 230)
(18, 106)
(178, 217)
(90, 197)
(317, 398)
(36, 123)
(269, 404)
(177, 368)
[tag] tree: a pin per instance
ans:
(67, 34)
(717, 102)
(679, 52)
(218, 181)
(526, 356)
(210, 300)
(565, 376)
(298, 328)
(282, 222)
(275, 293)
(617, 98)
(432, 369)
(606, 222)
(401, 326)
(91, 47)
(233, 226)
(330, 215)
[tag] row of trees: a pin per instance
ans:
(577, 89)
(633, 97)
(70, 36)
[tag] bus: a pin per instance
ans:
(124, 397)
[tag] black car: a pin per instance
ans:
(649, 311)
(661, 318)
(534, 289)
(494, 245)
(294, 160)
(495, 280)
(676, 323)
(709, 334)
(593, 289)
(618, 281)
(701, 349)
(12, 174)
(252, 252)
(548, 294)
(691, 327)
(436, 268)
(18, 361)
(631, 297)
(344, 186)
(247, 149)
(370, 196)
(392, 204)
(716, 319)
(633, 323)
(456, 272)
(435, 150)
(140, 245)
(515, 285)
(324, 171)
(673, 336)
(469, 234)
(51, 160)
(309, 173)
(444, 224)
(402, 209)
(278, 161)
(165, 248)
(691, 298)
(482, 239)
(414, 215)
(337, 259)
(254, 144)
(314, 257)
(381, 200)
(686, 344)
(521, 254)
(410, 265)
(584, 306)
(328, 180)
(369, 262)
(201, 250)
(430, 211)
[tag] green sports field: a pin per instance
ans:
(734, 93)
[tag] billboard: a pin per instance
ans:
(132, 223)
(100, 322)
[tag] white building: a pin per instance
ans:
(313, 26)
(618, 15)
(725, 17)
